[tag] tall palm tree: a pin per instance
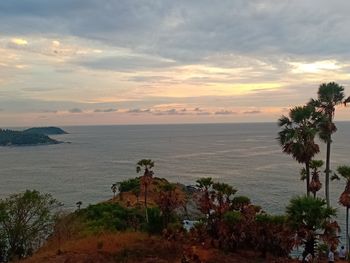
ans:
(344, 198)
(315, 184)
(297, 136)
(329, 96)
(146, 179)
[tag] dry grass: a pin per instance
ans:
(136, 247)
(109, 247)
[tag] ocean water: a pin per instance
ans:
(247, 156)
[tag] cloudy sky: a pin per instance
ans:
(66, 62)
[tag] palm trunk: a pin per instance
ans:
(347, 229)
(307, 167)
(146, 210)
(328, 158)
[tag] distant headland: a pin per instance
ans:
(31, 136)
(46, 130)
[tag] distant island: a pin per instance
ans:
(32, 136)
(46, 130)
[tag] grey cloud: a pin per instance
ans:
(50, 111)
(149, 79)
(39, 89)
(37, 105)
(225, 112)
(105, 110)
(124, 64)
(205, 113)
(138, 111)
(281, 97)
(170, 112)
(252, 112)
(75, 110)
(190, 31)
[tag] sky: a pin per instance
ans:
(93, 62)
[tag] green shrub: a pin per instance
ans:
(155, 225)
(232, 217)
(129, 185)
(111, 216)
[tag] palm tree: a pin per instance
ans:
(297, 137)
(329, 96)
(315, 184)
(114, 189)
(204, 184)
(344, 198)
(222, 196)
(310, 217)
(79, 203)
(146, 179)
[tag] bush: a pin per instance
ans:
(111, 216)
(129, 185)
(155, 224)
(232, 217)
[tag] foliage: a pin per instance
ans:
(146, 164)
(307, 212)
(315, 184)
(232, 217)
(329, 96)
(297, 136)
(233, 222)
(26, 220)
(344, 198)
(273, 235)
(239, 202)
(204, 183)
(168, 200)
(155, 224)
(129, 185)
(111, 216)
(312, 219)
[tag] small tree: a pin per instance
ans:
(114, 188)
(79, 203)
(26, 220)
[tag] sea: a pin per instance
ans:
(245, 155)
